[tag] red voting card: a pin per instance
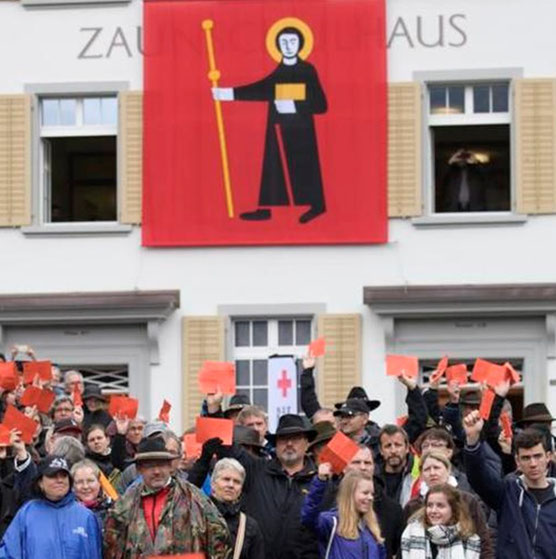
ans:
(317, 347)
(5, 436)
(339, 452)
(77, 398)
(46, 399)
(485, 371)
(8, 376)
(164, 413)
(511, 374)
(402, 420)
(506, 425)
(486, 403)
(457, 373)
(398, 365)
(122, 405)
(192, 448)
(440, 369)
(31, 396)
(33, 368)
(208, 428)
(215, 375)
(14, 419)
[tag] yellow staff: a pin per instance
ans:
(214, 76)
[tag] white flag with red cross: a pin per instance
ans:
(282, 389)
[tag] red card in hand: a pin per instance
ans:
(31, 396)
(506, 425)
(486, 403)
(46, 399)
(402, 420)
(317, 347)
(77, 398)
(397, 365)
(210, 427)
(481, 370)
(8, 376)
(215, 375)
(33, 368)
(511, 374)
(192, 448)
(339, 452)
(164, 413)
(122, 405)
(14, 419)
(440, 369)
(5, 436)
(457, 373)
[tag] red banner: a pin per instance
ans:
(264, 122)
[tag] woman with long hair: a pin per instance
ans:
(441, 529)
(351, 529)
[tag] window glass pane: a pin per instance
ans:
(456, 100)
(500, 98)
(260, 372)
(242, 372)
(285, 332)
(242, 333)
(260, 333)
(481, 94)
(67, 112)
(437, 99)
(302, 332)
(109, 109)
(244, 392)
(91, 110)
(260, 397)
(50, 112)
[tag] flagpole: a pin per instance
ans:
(214, 76)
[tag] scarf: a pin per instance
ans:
(416, 542)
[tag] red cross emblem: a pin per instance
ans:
(284, 383)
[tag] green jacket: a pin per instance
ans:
(189, 523)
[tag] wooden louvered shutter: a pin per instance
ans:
(15, 160)
(131, 156)
(340, 368)
(535, 117)
(202, 340)
(404, 150)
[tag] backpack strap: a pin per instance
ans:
(240, 535)
(332, 534)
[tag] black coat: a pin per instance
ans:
(253, 543)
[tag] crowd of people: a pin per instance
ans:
(445, 484)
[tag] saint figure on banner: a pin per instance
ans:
(291, 172)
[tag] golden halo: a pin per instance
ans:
(281, 24)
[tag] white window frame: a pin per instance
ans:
(40, 226)
(467, 78)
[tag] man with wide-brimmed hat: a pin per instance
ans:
(163, 515)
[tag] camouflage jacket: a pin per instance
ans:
(189, 523)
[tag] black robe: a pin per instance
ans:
(298, 137)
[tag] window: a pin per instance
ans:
(78, 158)
(254, 340)
(469, 138)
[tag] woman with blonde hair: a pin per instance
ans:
(441, 529)
(351, 529)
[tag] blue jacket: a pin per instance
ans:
(44, 529)
(526, 530)
(322, 524)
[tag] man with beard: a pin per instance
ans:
(396, 464)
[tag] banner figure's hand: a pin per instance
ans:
(285, 106)
(223, 93)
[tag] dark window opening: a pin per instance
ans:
(472, 168)
(82, 178)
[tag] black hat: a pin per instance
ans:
(246, 435)
(67, 425)
(359, 392)
(153, 449)
(533, 413)
(93, 391)
(291, 424)
(325, 431)
(470, 397)
(51, 465)
(237, 403)
(352, 406)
